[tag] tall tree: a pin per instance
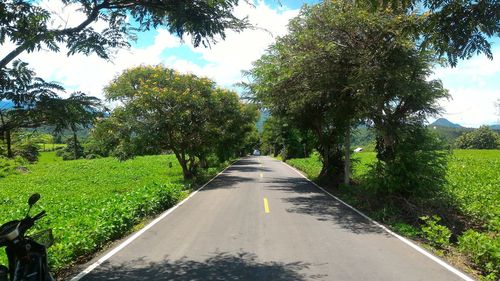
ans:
(341, 64)
(177, 112)
(22, 92)
(73, 113)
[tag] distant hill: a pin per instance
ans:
(443, 122)
(495, 127)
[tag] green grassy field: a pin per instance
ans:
(90, 202)
(48, 157)
(50, 146)
(473, 179)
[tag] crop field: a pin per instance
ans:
(473, 179)
(90, 202)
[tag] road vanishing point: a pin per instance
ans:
(261, 220)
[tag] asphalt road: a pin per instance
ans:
(260, 220)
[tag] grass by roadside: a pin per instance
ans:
(469, 231)
(91, 202)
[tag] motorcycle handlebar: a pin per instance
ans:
(39, 216)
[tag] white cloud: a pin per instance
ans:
(474, 86)
(226, 59)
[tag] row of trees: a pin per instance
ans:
(481, 138)
(25, 26)
(345, 64)
(162, 110)
(29, 102)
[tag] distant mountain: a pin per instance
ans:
(495, 127)
(443, 122)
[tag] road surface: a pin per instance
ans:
(260, 220)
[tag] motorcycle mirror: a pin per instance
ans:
(33, 199)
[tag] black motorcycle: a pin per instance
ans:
(27, 255)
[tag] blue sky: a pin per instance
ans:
(474, 84)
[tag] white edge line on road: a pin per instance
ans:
(144, 229)
(404, 240)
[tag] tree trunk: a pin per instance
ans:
(8, 140)
(203, 162)
(332, 170)
(347, 152)
(75, 148)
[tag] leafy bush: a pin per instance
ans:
(437, 235)
(406, 229)
(483, 250)
(28, 151)
(73, 150)
(9, 166)
(418, 167)
(482, 138)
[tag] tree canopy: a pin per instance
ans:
(458, 29)
(29, 26)
(165, 110)
(343, 64)
(481, 138)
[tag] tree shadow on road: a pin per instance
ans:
(304, 198)
(220, 266)
(236, 174)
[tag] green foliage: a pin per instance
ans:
(19, 86)
(482, 138)
(28, 151)
(406, 230)
(279, 137)
(437, 235)
(449, 135)
(473, 179)
(459, 29)
(482, 250)
(30, 25)
(90, 202)
(343, 64)
(163, 110)
(418, 167)
(48, 157)
(311, 166)
(9, 166)
(72, 151)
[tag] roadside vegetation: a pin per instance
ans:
(463, 219)
(171, 132)
(348, 74)
(92, 202)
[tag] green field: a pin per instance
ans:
(90, 202)
(473, 179)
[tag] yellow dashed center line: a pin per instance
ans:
(261, 175)
(266, 206)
